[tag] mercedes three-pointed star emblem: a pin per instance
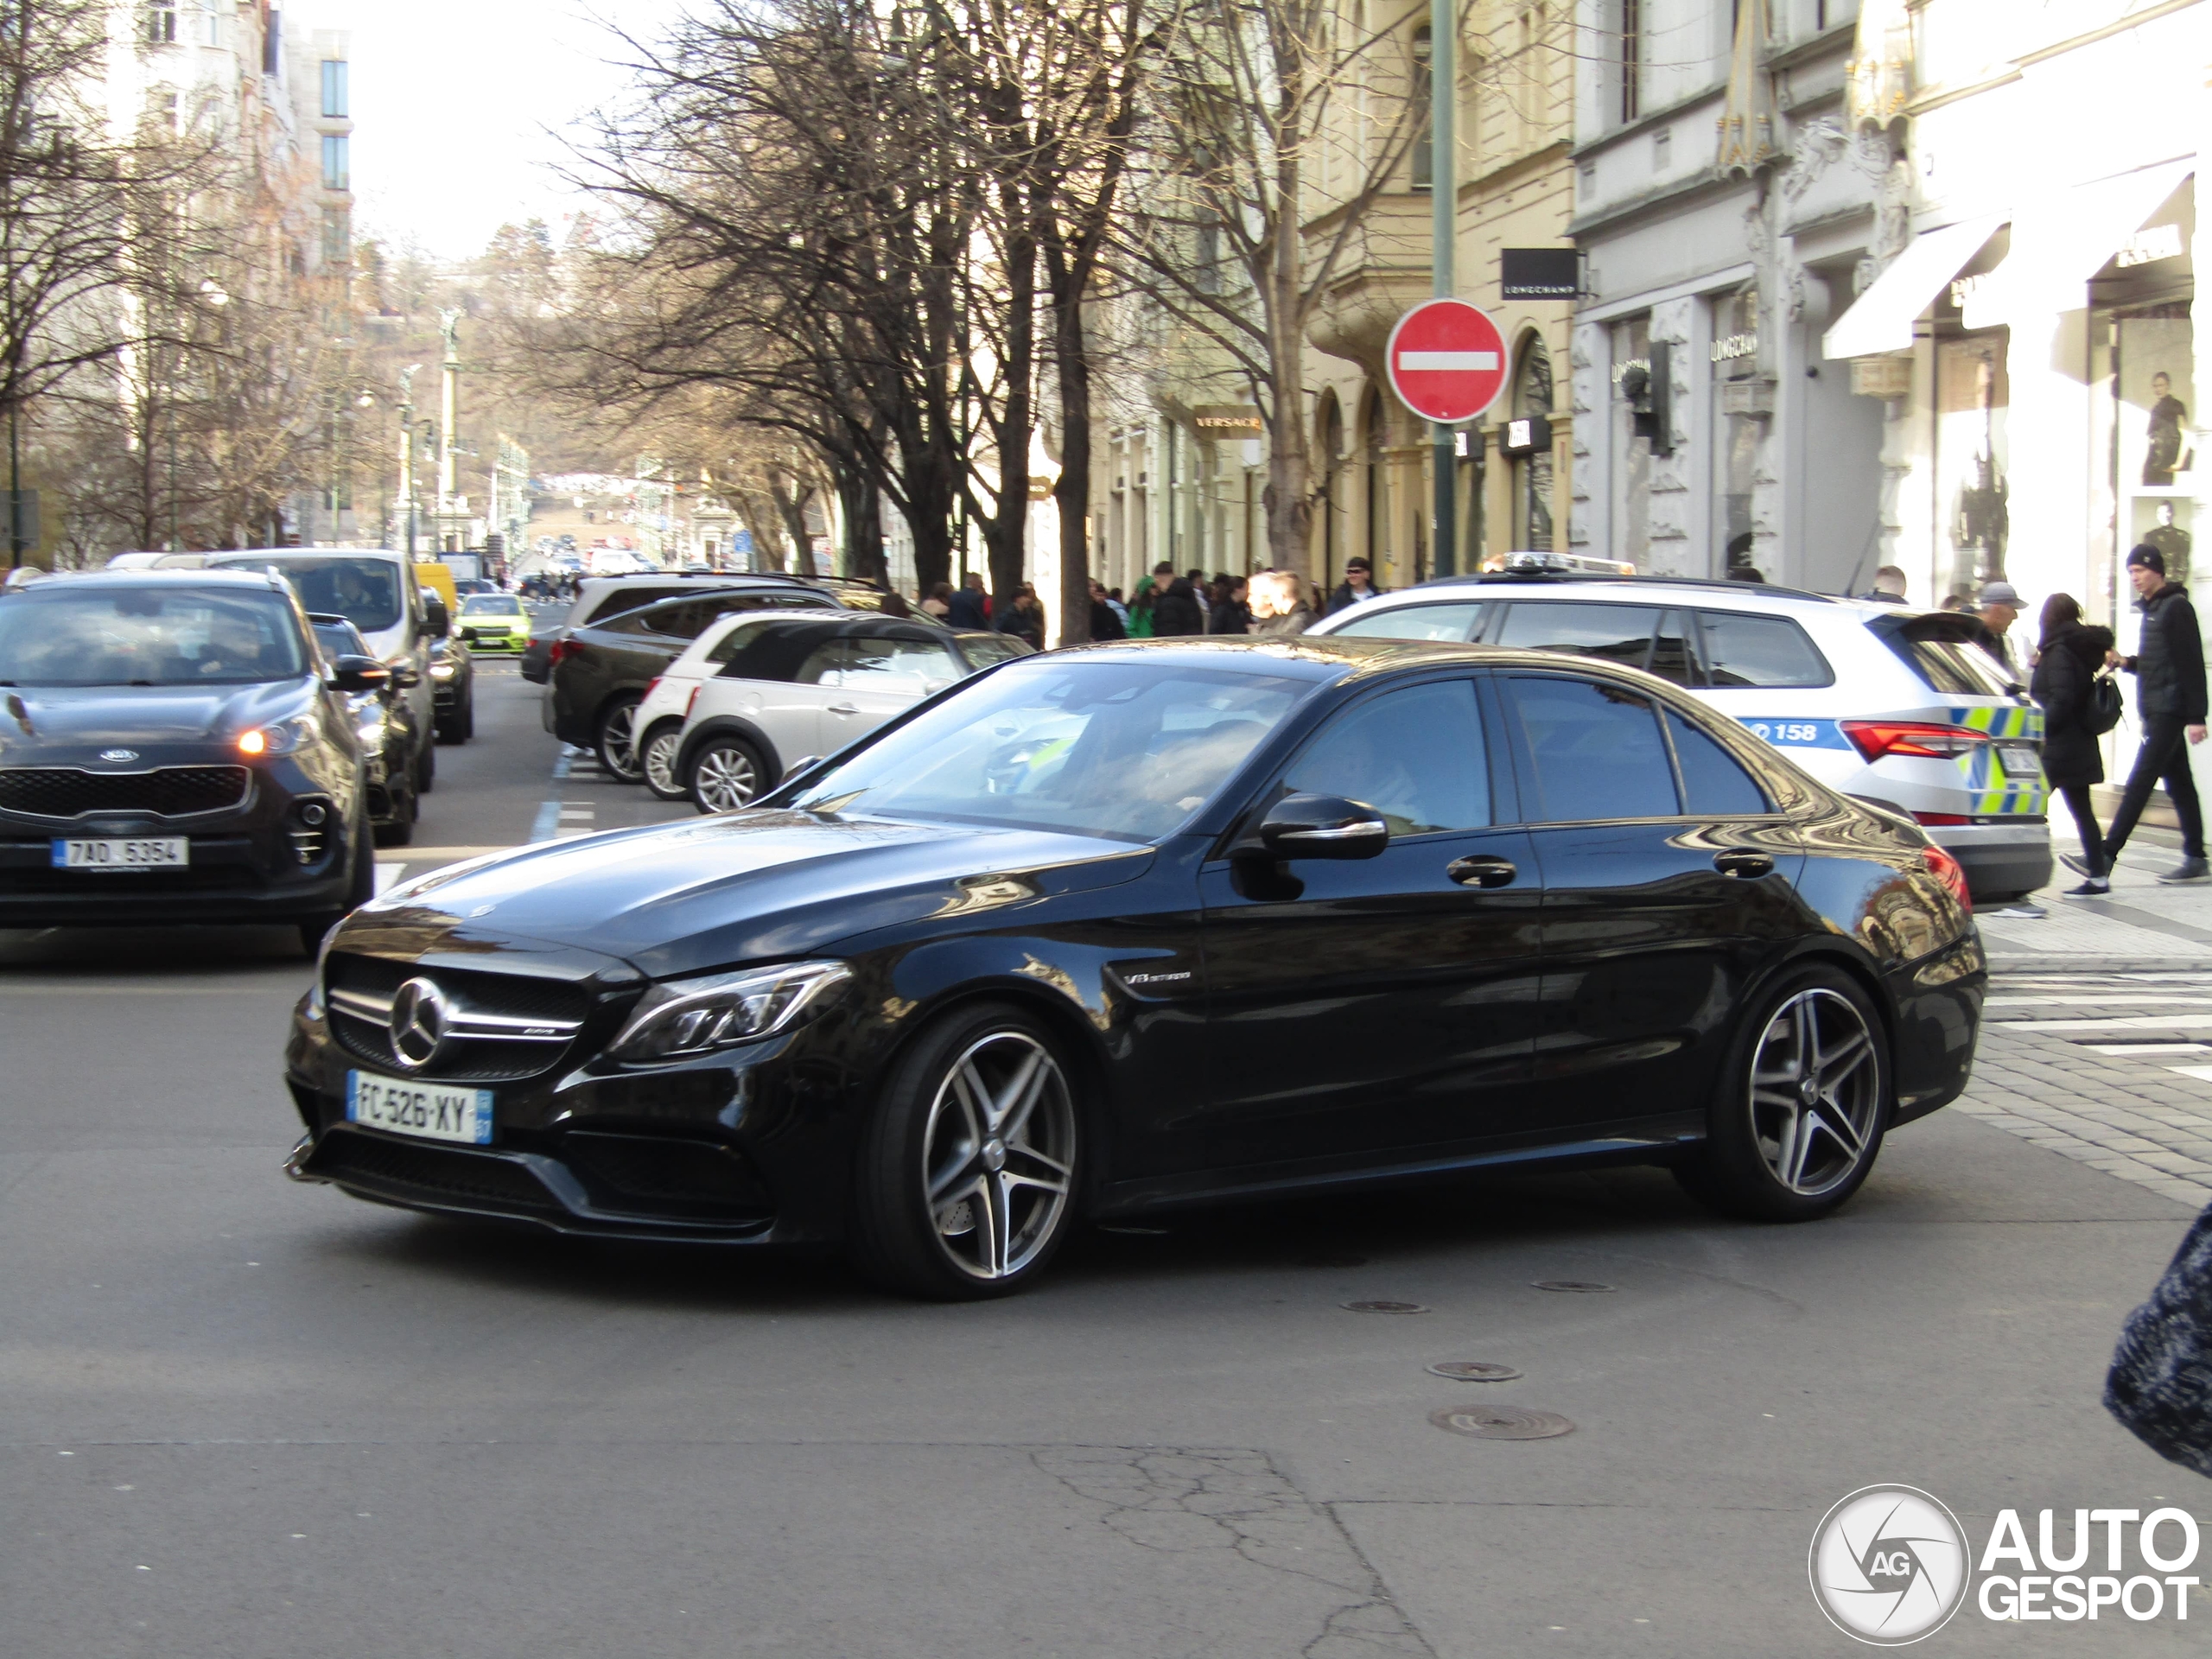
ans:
(419, 1019)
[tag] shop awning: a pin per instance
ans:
(1881, 319)
(2061, 240)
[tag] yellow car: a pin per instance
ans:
(492, 622)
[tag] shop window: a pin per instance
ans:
(1735, 452)
(1532, 474)
(1973, 463)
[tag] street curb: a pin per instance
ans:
(2029, 967)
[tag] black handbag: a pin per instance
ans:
(2106, 703)
(2160, 1387)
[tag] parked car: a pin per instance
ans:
(1895, 706)
(598, 599)
(601, 668)
(754, 693)
(378, 594)
(1106, 932)
(383, 727)
(174, 748)
(492, 622)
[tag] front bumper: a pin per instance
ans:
(747, 1147)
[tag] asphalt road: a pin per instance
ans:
(240, 1417)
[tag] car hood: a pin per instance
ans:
(678, 898)
(69, 725)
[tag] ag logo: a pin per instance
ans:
(1888, 1565)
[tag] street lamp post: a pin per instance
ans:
(1443, 207)
(407, 449)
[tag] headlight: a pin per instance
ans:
(693, 1016)
(442, 670)
(282, 738)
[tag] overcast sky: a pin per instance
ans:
(452, 100)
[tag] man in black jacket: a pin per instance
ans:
(2169, 669)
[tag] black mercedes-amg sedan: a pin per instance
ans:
(174, 748)
(1102, 931)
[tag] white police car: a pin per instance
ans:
(1893, 706)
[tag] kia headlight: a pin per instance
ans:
(282, 738)
(682, 1017)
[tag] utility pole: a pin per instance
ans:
(450, 399)
(1444, 206)
(407, 449)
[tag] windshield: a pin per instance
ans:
(365, 592)
(1121, 749)
(489, 605)
(139, 636)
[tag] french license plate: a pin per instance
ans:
(2019, 760)
(156, 852)
(430, 1111)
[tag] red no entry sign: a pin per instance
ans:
(1446, 360)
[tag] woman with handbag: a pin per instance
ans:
(2075, 704)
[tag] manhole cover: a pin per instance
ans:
(1384, 1308)
(1332, 1261)
(1472, 1370)
(1501, 1422)
(1583, 1286)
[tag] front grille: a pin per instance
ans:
(366, 981)
(167, 792)
(398, 1169)
(639, 1173)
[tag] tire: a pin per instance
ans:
(1782, 1145)
(660, 761)
(968, 1171)
(359, 889)
(401, 831)
(426, 769)
(468, 716)
(716, 774)
(616, 742)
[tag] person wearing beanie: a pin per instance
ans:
(2170, 700)
(2000, 609)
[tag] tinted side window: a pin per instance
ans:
(1618, 633)
(1715, 784)
(1456, 622)
(732, 644)
(1416, 756)
(1597, 750)
(825, 665)
(898, 665)
(1741, 650)
(619, 602)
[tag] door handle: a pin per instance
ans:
(1482, 872)
(843, 709)
(1742, 862)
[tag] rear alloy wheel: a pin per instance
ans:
(726, 773)
(617, 742)
(660, 757)
(1805, 1107)
(968, 1173)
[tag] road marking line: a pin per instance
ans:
(549, 821)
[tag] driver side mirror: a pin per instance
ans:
(1323, 826)
(403, 676)
(435, 617)
(354, 673)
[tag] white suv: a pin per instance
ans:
(1896, 707)
(756, 692)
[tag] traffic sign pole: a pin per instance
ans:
(1444, 205)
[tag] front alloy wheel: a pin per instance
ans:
(968, 1171)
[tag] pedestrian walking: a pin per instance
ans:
(2064, 684)
(1278, 607)
(1176, 611)
(2000, 609)
(2160, 1384)
(1230, 612)
(1357, 586)
(1202, 593)
(968, 607)
(2169, 669)
(1105, 619)
(1025, 617)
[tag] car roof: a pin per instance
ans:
(1567, 584)
(141, 577)
(254, 555)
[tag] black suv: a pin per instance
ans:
(601, 597)
(611, 649)
(174, 748)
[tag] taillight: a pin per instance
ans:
(1876, 738)
(1941, 820)
(1951, 874)
(560, 651)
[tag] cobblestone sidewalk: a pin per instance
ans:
(2114, 1069)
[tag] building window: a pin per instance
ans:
(1631, 59)
(1424, 84)
(336, 237)
(165, 111)
(333, 89)
(210, 31)
(1532, 474)
(334, 167)
(161, 21)
(1735, 353)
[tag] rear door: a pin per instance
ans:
(881, 674)
(1668, 881)
(1359, 1009)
